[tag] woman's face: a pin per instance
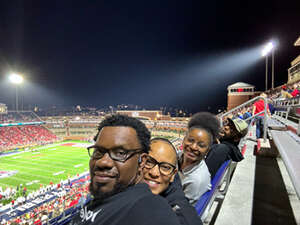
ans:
(196, 144)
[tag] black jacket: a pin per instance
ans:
(134, 206)
(185, 212)
(219, 153)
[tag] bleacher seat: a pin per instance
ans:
(204, 203)
(289, 148)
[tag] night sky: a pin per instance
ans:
(149, 53)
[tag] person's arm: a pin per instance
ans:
(218, 154)
(268, 111)
(253, 110)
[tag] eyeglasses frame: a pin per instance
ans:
(160, 163)
(134, 151)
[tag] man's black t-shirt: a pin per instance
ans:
(136, 205)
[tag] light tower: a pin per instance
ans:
(269, 47)
(16, 79)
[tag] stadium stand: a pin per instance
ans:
(50, 205)
(22, 136)
(234, 188)
(20, 116)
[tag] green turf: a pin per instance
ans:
(41, 166)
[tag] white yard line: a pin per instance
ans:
(38, 169)
(79, 165)
(58, 173)
(47, 160)
(35, 164)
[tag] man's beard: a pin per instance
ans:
(99, 195)
(226, 137)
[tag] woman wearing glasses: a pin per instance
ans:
(203, 130)
(160, 168)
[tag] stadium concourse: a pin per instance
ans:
(263, 188)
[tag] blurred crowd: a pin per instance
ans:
(18, 136)
(67, 197)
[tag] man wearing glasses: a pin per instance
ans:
(115, 167)
(160, 169)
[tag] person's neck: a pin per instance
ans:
(186, 162)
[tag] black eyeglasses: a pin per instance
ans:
(164, 167)
(117, 154)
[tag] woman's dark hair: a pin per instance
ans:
(206, 121)
(118, 120)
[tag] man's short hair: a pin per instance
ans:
(118, 120)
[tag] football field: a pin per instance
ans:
(45, 164)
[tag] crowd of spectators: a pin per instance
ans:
(285, 91)
(19, 136)
(67, 196)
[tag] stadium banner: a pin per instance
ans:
(20, 124)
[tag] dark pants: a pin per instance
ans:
(259, 126)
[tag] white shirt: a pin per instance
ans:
(195, 180)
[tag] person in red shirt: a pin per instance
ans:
(295, 91)
(258, 107)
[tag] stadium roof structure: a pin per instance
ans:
(297, 42)
(240, 85)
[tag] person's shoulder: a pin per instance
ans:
(216, 148)
(186, 213)
(156, 209)
(137, 191)
(143, 195)
(152, 199)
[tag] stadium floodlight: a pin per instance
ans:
(16, 79)
(267, 49)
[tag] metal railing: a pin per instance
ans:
(288, 101)
(253, 116)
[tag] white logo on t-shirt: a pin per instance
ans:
(86, 214)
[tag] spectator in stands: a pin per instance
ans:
(231, 134)
(115, 165)
(271, 106)
(295, 92)
(159, 173)
(203, 130)
(284, 93)
(259, 106)
(246, 114)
